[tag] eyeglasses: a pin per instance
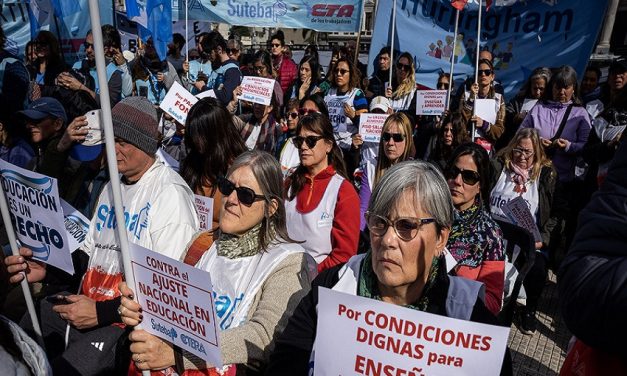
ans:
(293, 115)
(311, 141)
(405, 67)
(484, 72)
(307, 111)
(405, 227)
(245, 195)
(341, 72)
(275, 45)
(524, 152)
(232, 51)
(397, 137)
(469, 177)
(88, 45)
(443, 85)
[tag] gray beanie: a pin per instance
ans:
(135, 121)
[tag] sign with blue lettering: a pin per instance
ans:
(329, 15)
(522, 35)
(37, 215)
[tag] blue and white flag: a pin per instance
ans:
(154, 18)
(521, 35)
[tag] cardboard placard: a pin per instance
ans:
(177, 102)
(177, 303)
(372, 335)
(371, 126)
(204, 209)
(430, 102)
(37, 215)
(257, 89)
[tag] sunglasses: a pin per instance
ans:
(245, 195)
(275, 45)
(88, 45)
(405, 227)
(397, 137)
(232, 51)
(311, 141)
(484, 72)
(468, 176)
(405, 67)
(293, 115)
(307, 111)
(341, 72)
(443, 85)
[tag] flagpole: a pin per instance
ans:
(392, 43)
(450, 80)
(186, 39)
(477, 66)
(6, 217)
(356, 57)
(114, 177)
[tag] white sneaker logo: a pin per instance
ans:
(98, 345)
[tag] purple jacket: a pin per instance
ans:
(546, 117)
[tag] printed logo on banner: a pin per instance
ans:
(135, 222)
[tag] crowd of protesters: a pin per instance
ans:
(302, 200)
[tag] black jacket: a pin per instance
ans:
(592, 280)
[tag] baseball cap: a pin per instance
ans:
(92, 146)
(43, 108)
(619, 65)
(381, 103)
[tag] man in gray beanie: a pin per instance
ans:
(160, 215)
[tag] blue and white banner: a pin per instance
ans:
(522, 35)
(327, 15)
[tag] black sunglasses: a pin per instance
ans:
(468, 176)
(311, 141)
(276, 45)
(293, 115)
(232, 51)
(397, 137)
(406, 227)
(87, 45)
(341, 71)
(484, 72)
(443, 85)
(307, 111)
(405, 67)
(245, 195)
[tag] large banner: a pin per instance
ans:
(330, 15)
(522, 35)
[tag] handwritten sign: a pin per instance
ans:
(371, 126)
(177, 303)
(76, 226)
(257, 89)
(37, 215)
(430, 102)
(517, 211)
(204, 209)
(177, 102)
(380, 338)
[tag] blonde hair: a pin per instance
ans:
(383, 163)
(540, 158)
(404, 88)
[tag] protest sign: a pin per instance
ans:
(76, 226)
(177, 102)
(486, 109)
(37, 215)
(517, 211)
(371, 126)
(380, 338)
(528, 105)
(430, 102)
(204, 209)
(335, 105)
(177, 303)
(257, 89)
(206, 93)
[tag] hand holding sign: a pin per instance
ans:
(257, 90)
(25, 265)
(177, 102)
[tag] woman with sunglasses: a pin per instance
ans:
(409, 217)
(308, 79)
(476, 241)
(402, 96)
(253, 257)
(285, 68)
(486, 134)
(522, 169)
(322, 205)
(345, 101)
(337, 53)
(49, 62)
(396, 145)
(449, 136)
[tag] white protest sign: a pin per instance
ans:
(371, 335)
(486, 109)
(335, 105)
(206, 93)
(177, 303)
(528, 105)
(612, 132)
(430, 102)
(204, 209)
(371, 126)
(257, 89)
(177, 102)
(37, 215)
(518, 212)
(76, 226)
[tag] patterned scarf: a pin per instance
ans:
(268, 136)
(520, 177)
(233, 246)
(368, 287)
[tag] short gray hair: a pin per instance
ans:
(425, 181)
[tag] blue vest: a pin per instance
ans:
(195, 66)
(111, 68)
(217, 76)
(155, 91)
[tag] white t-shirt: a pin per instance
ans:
(503, 192)
(289, 156)
(343, 127)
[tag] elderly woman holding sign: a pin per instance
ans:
(409, 217)
(254, 258)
